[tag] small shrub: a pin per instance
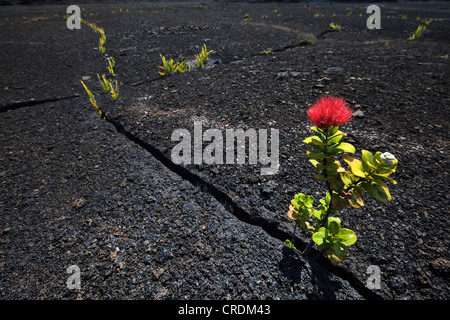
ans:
(344, 187)
(418, 33)
(306, 42)
(171, 66)
(202, 57)
(105, 83)
(335, 26)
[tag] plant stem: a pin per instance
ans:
(322, 223)
(330, 206)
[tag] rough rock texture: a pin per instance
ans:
(76, 191)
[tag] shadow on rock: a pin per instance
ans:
(315, 281)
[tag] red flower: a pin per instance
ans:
(329, 111)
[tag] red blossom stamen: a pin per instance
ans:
(329, 111)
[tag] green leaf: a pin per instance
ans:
(302, 224)
(378, 190)
(315, 140)
(356, 200)
(387, 169)
(347, 147)
(346, 236)
(339, 250)
(315, 143)
(309, 200)
(337, 133)
(332, 130)
(383, 176)
(335, 220)
(305, 213)
(333, 168)
(337, 202)
(335, 139)
(367, 161)
(355, 165)
(334, 225)
(336, 183)
(315, 155)
(377, 158)
(319, 214)
(333, 258)
(321, 178)
(342, 147)
(319, 237)
(289, 243)
(328, 198)
(346, 178)
(320, 134)
(316, 164)
(303, 199)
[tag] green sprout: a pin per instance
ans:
(418, 33)
(171, 66)
(111, 65)
(289, 244)
(115, 90)
(202, 57)
(105, 83)
(427, 20)
(168, 66)
(183, 67)
(102, 40)
(306, 42)
(101, 46)
(335, 26)
(93, 101)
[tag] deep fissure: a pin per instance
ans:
(29, 103)
(223, 198)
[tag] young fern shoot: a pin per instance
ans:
(202, 57)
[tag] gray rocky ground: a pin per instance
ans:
(104, 195)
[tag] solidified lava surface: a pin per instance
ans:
(77, 190)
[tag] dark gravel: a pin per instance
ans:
(74, 189)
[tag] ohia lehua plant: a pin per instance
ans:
(345, 187)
